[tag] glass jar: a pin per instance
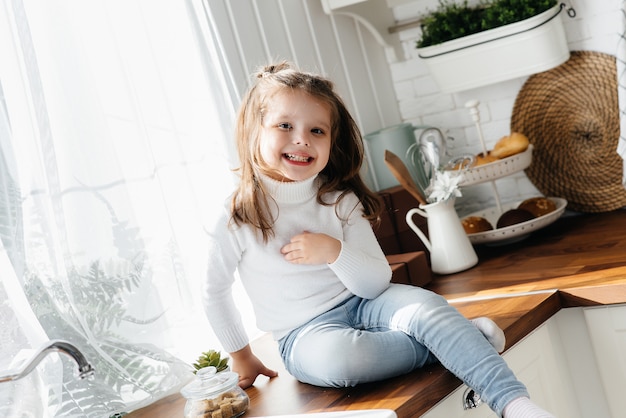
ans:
(214, 394)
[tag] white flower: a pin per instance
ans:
(444, 185)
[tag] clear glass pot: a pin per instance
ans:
(213, 395)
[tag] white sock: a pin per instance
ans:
(491, 331)
(524, 408)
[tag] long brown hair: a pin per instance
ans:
(251, 203)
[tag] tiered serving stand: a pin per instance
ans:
(493, 171)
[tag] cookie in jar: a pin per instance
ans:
(214, 395)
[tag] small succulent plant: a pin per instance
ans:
(211, 358)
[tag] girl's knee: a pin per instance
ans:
(329, 365)
(408, 294)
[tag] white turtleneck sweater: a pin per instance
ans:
(285, 295)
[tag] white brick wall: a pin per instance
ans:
(594, 28)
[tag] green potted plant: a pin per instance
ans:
(211, 358)
(467, 47)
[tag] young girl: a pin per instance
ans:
(298, 231)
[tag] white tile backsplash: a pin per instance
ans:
(408, 70)
(424, 86)
(405, 89)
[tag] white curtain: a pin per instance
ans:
(114, 120)
(621, 84)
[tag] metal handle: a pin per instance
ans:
(471, 399)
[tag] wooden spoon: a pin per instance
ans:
(401, 173)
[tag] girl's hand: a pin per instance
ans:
(249, 367)
(310, 248)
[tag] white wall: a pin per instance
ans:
(594, 28)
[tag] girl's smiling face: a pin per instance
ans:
(295, 138)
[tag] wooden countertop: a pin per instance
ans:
(577, 261)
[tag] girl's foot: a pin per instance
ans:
(524, 408)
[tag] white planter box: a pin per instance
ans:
(515, 50)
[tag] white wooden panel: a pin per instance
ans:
(328, 45)
(361, 97)
(218, 13)
(252, 33)
(273, 28)
(252, 40)
(299, 29)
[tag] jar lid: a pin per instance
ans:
(209, 383)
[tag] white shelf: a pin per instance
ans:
(498, 169)
(330, 5)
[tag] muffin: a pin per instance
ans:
(513, 217)
(538, 206)
(475, 224)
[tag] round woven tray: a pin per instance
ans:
(571, 116)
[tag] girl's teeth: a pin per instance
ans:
(297, 158)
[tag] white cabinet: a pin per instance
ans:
(607, 327)
(574, 365)
(539, 363)
(536, 362)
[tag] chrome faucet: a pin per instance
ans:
(84, 368)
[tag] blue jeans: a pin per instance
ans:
(403, 329)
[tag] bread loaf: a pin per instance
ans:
(510, 145)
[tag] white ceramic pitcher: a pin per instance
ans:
(450, 249)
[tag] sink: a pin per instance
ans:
(369, 413)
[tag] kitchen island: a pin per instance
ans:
(577, 261)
